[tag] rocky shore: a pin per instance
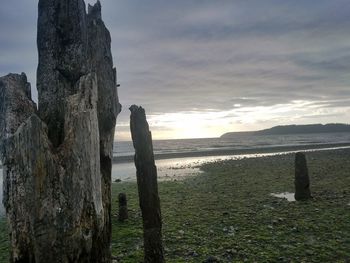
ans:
(228, 214)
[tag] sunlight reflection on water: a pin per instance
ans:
(189, 166)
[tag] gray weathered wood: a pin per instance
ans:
(58, 159)
(147, 185)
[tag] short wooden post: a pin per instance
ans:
(147, 186)
(123, 207)
(302, 181)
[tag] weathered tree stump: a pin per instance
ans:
(123, 207)
(147, 186)
(302, 181)
(57, 158)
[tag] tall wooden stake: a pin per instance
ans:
(147, 185)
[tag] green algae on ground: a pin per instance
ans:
(228, 213)
(4, 243)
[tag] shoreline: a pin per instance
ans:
(178, 166)
(233, 152)
(182, 167)
(228, 152)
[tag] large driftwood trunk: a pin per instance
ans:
(57, 159)
(146, 172)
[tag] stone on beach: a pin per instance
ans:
(302, 181)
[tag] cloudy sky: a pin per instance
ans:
(205, 67)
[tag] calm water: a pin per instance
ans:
(241, 142)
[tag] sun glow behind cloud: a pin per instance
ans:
(199, 124)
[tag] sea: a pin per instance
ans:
(177, 159)
(164, 147)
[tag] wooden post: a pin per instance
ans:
(123, 207)
(147, 186)
(302, 181)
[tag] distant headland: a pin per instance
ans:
(294, 129)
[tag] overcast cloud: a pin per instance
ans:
(230, 64)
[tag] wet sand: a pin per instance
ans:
(180, 167)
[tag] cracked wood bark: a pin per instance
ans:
(57, 159)
(147, 186)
